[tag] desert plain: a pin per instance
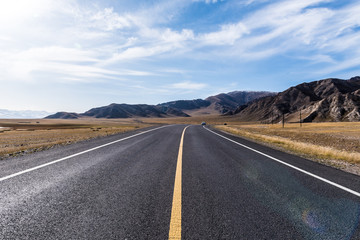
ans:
(332, 143)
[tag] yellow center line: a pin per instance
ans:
(175, 221)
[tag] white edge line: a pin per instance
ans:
(76, 154)
(289, 165)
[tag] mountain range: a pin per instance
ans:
(325, 100)
(219, 104)
(330, 99)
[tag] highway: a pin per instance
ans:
(175, 182)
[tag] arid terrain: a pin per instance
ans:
(218, 104)
(26, 136)
(333, 143)
(328, 100)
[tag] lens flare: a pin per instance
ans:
(312, 219)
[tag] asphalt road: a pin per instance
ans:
(125, 190)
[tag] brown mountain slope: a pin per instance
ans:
(124, 111)
(325, 100)
(218, 104)
(63, 115)
(129, 111)
(227, 102)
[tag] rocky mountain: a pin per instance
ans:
(227, 102)
(123, 111)
(218, 104)
(325, 100)
(128, 111)
(64, 115)
(186, 104)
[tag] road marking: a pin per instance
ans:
(74, 155)
(175, 221)
(291, 166)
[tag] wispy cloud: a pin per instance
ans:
(108, 20)
(228, 35)
(187, 85)
(277, 28)
(288, 26)
(173, 46)
(209, 1)
(65, 64)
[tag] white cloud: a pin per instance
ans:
(228, 35)
(64, 64)
(108, 20)
(288, 20)
(208, 1)
(70, 41)
(248, 2)
(187, 85)
(166, 36)
(153, 42)
(21, 65)
(288, 26)
(139, 53)
(172, 70)
(320, 58)
(176, 37)
(341, 65)
(64, 42)
(19, 11)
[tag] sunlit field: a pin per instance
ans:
(209, 119)
(20, 136)
(25, 136)
(326, 141)
(331, 143)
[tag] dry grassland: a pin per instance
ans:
(336, 144)
(333, 143)
(20, 136)
(25, 136)
(209, 119)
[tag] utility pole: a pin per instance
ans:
(283, 120)
(300, 119)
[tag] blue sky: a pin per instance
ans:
(72, 55)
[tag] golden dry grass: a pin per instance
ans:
(22, 136)
(209, 119)
(329, 141)
(334, 141)
(29, 135)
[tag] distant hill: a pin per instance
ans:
(128, 111)
(226, 102)
(9, 114)
(123, 111)
(325, 100)
(218, 104)
(64, 115)
(186, 104)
